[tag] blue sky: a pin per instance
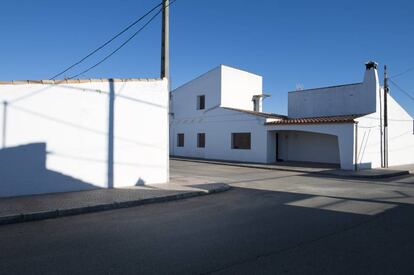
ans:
(312, 43)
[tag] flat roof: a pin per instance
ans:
(327, 87)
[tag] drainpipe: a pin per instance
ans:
(356, 145)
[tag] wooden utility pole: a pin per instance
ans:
(385, 118)
(165, 40)
(381, 128)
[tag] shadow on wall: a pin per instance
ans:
(23, 172)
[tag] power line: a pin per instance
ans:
(390, 119)
(63, 80)
(402, 73)
(122, 45)
(117, 49)
(401, 89)
(107, 42)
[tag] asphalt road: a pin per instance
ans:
(271, 222)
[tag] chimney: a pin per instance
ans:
(371, 64)
(371, 74)
(257, 103)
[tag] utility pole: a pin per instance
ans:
(385, 118)
(381, 128)
(165, 57)
(165, 40)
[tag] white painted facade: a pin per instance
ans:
(346, 131)
(215, 124)
(83, 134)
(223, 87)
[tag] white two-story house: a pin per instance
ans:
(219, 116)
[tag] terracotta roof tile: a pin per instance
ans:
(316, 120)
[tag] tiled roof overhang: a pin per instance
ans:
(316, 120)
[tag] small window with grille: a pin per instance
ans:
(241, 141)
(201, 140)
(180, 140)
(201, 102)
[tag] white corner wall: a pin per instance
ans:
(89, 129)
(400, 137)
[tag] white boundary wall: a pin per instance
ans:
(88, 128)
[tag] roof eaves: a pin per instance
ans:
(261, 114)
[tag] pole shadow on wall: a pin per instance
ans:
(111, 116)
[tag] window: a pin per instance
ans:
(201, 140)
(180, 140)
(240, 141)
(201, 102)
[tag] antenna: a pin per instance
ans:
(299, 87)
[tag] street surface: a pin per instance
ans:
(270, 222)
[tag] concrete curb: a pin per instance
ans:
(383, 176)
(324, 173)
(50, 214)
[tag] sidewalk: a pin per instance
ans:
(315, 168)
(38, 207)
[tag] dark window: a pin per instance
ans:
(240, 141)
(180, 140)
(201, 102)
(201, 140)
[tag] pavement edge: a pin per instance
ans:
(42, 215)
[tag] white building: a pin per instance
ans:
(81, 134)
(219, 116)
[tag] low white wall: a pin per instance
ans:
(102, 133)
